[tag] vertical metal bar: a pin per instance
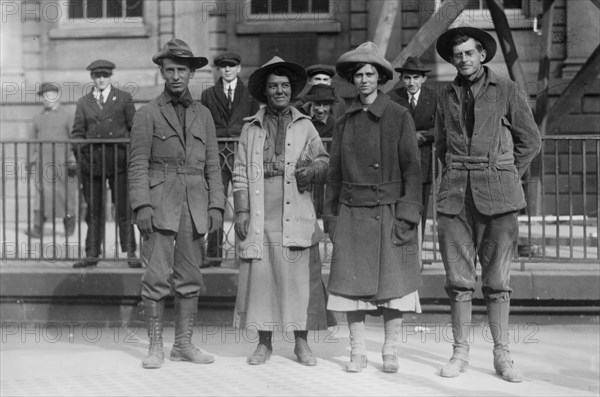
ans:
(42, 197)
(16, 204)
(597, 198)
(84, 11)
(115, 193)
(545, 140)
(3, 176)
(584, 194)
(434, 187)
(570, 195)
(104, 9)
(65, 173)
(54, 176)
(557, 195)
(28, 190)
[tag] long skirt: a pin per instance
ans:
(280, 292)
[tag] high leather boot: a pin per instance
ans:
(392, 327)
(37, 228)
(302, 351)
(498, 316)
(69, 222)
(358, 353)
(461, 319)
(185, 318)
(154, 311)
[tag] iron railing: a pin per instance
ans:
(560, 224)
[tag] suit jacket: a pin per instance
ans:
(424, 118)
(168, 170)
(111, 121)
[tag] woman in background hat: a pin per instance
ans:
(374, 189)
(279, 155)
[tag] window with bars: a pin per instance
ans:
(283, 7)
(482, 4)
(99, 9)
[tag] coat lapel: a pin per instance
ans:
(169, 114)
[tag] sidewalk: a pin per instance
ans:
(86, 360)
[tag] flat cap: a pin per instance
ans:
(178, 50)
(320, 93)
(320, 69)
(46, 87)
(101, 65)
(228, 58)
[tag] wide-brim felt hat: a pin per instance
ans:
(320, 69)
(444, 42)
(412, 64)
(257, 80)
(320, 93)
(101, 65)
(365, 53)
(178, 50)
(46, 87)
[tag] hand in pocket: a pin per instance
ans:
(403, 232)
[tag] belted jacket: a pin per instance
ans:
(168, 170)
(504, 142)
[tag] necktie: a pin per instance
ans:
(280, 137)
(229, 97)
(413, 103)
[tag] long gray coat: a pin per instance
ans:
(374, 180)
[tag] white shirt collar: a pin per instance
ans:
(415, 95)
(226, 86)
(105, 93)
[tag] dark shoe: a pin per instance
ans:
(213, 263)
(69, 223)
(85, 263)
(357, 363)
(390, 363)
(35, 232)
(260, 356)
(303, 353)
(133, 261)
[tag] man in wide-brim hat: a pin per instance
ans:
(278, 156)
(318, 104)
(486, 138)
(177, 197)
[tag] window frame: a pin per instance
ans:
(291, 16)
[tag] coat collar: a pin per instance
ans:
(259, 116)
(168, 112)
(376, 109)
(490, 78)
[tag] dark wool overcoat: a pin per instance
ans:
(374, 181)
(111, 121)
(424, 118)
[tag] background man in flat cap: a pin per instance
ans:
(229, 102)
(486, 138)
(104, 113)
(56, 181)
(421, 102)
(177, 197)
(321, 74)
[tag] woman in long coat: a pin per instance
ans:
(374, 188)
(278, 156)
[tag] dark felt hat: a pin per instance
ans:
(366, 52)
(412, 64)
(257, 80)
(178, 50)
(228, 58)
(320, 69)
(45, 87)
(101, 65)
(320, 93)
(444, 42)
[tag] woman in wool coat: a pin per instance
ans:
(374, 193)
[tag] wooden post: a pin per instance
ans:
(507, 44)
(385, 24)
(437, 24)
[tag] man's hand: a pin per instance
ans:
(143, 218)
(242, 219)
(215, 219)
(304, 177)
(421, 139)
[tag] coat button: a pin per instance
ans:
(376, 166)
(258, 192)
(350, 200)
(377, 217)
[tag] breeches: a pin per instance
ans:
(470, 235)
(173, 258)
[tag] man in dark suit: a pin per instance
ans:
(104, 113)
(421, 102)
(229, 102)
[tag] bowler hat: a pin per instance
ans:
(412, 64)
(45, 87)
(228, 58)
(367, 52)
(178, 50)
(320, 69)
(101, 65)
(320, 93)
(444, 42)
(257, 80)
